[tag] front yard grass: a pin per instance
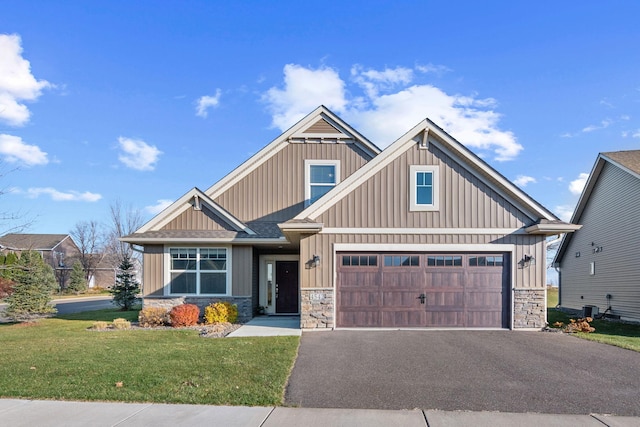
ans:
(625, 335)
(58, 358)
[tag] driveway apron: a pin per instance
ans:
(504, 371)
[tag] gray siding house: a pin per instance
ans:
(323, 224)
(597, 264)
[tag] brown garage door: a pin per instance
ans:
(423, 290)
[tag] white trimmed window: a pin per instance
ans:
(199, 271)
(424, 187)
(320, 177)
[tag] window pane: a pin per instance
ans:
(183, 264)
(424, 195)
(323, 174)
(373, 260)
(440, 261)
(457, 261)
(213, 264)
(405, 260)
(482, 261)
(415, 260)
(355, 260)
(388, 260)
(318, 191)
(473, 261)
(213, 283)
(346, 260)
(183, 283)
(431, 261)
(448, 261)
(499, 261)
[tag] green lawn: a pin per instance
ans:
(58, 358)
(623, 335)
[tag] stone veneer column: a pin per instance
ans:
(529, 308)
(317, 309)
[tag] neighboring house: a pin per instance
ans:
(322, 223)
(597, 263)
(60, 252)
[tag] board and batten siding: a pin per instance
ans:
(611, 221)
(464, 201)
(241, 270)
(193, 219)
(153, 270)
(274, 191)
(322, 276)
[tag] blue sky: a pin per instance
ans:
(141, 101)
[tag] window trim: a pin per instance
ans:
(169, 270)
(307, 175)
(413, 203)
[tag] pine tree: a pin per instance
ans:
(77, 280)
(34, 283)
(126, 289)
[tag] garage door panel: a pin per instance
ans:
(460, 290)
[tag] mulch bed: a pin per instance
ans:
(220, 330)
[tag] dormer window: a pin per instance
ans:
(320, 177)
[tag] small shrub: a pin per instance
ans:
(121, 324)
(577, 325)
(153, 316)
(100, 325)
(184, 315)
(221, 312)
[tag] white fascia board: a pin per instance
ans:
(205, 240)
(425, 231)
(280, 142)
(171, 211)
(361, 175)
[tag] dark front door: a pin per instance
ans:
(286, 286)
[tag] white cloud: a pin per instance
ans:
(389, 107)
(17, 84)
(304, 89)
(160, 205)
(603, 124)
(14, 149)
(60, 196)
(577, 185)
(564, 212)
(523, 180)
(431, 68)
(205, 102)
(137, 154)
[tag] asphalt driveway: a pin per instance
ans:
(502, 371)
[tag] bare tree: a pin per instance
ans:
(124, 221)
(11, 222)
(90, 241)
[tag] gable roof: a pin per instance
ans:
(424, 133)
(628, 161)
(320, 125)
(193, 199)
(36, 242)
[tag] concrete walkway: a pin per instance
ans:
(269, 326)
(44, 413)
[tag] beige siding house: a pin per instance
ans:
(597, 263)
(321, 223)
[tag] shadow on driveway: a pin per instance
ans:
(502, 371)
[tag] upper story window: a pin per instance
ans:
(198, 271)
(320, 177)
(424, 187)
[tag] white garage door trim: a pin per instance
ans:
(412, 247)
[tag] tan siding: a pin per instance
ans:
(153, 270)
(242, 261)
(322, 126)
(192, 219)
(274, 191)
(321, 276)
(383, 200)
(611, 220)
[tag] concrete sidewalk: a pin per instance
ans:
(28, 413)
(269, 326)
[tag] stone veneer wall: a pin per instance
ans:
(317, 309)
(529, 308)
(245, 310)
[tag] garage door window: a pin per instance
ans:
(485, 261)
(444, 261)
(360, 260)
(401, 261)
